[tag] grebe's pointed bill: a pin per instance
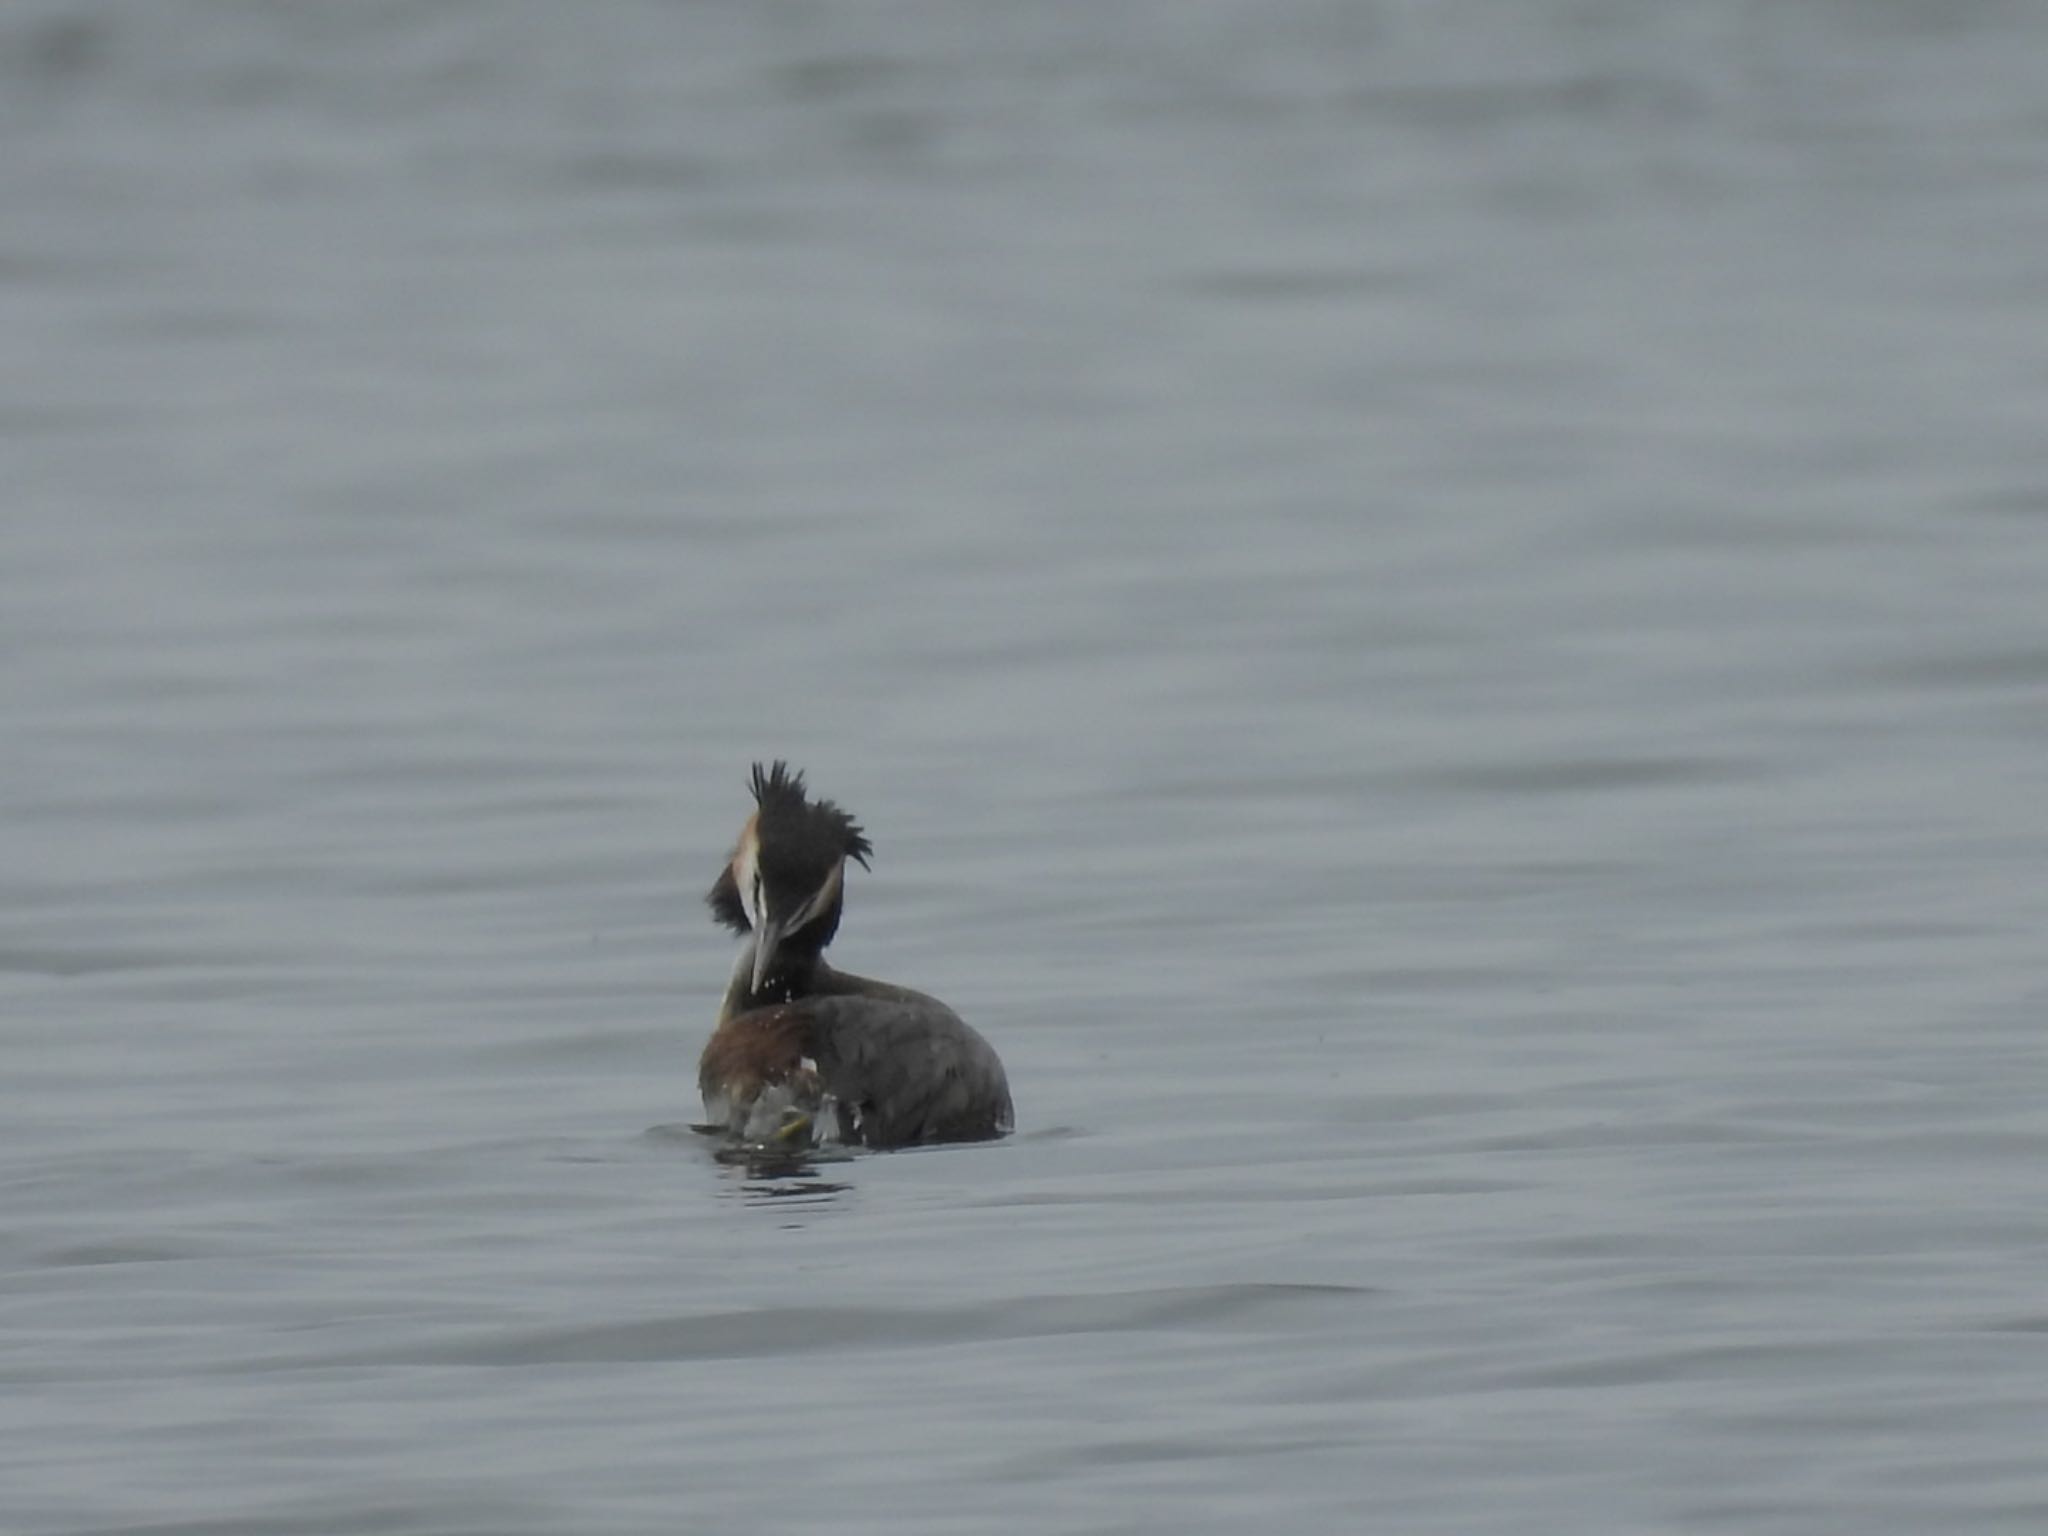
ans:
(767, 937)
(770, 929)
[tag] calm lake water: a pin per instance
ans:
(1439, 613)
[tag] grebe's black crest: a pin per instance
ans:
(787, 817)
(792, 843)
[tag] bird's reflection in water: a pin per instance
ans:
(780, 1172)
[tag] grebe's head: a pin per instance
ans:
(785, 881)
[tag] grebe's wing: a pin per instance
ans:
(907, 1069)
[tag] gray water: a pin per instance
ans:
(1439, 613)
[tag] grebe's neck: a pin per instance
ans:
(791, 977)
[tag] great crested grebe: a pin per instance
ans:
(800, 1046)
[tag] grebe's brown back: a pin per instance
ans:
(888, 1067)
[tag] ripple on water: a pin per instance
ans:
(778, 1331)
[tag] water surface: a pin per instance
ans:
(1438, 619)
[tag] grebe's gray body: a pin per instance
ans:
(799, 1044)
